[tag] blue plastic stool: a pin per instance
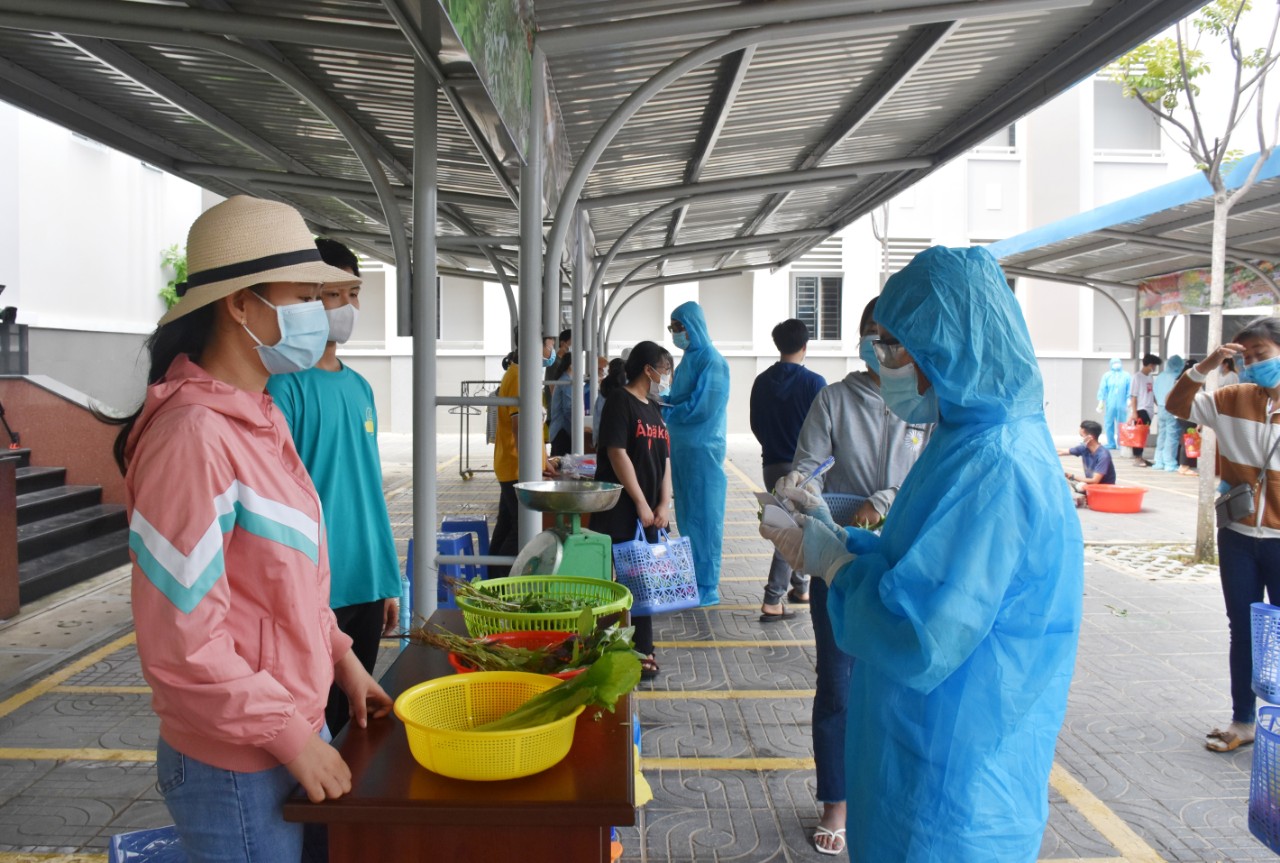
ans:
(478, 526)
(453, 543)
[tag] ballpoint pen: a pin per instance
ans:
(818, 471)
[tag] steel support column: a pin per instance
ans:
(529, 439)
(426, 132)
(577, 436)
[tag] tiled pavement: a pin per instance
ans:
(725, 742)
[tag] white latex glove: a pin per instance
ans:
(789, 541)
(802, 500)
(790, 481)
(824, 549)
(1102, 408)
(812, 547)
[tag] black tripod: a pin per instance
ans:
(13, 435)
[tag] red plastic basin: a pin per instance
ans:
(530, 640)
(1114, 498)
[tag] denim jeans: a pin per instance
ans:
(781, 575)
(1246, 566)
(225, 816)
(830, 701)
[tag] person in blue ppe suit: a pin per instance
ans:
(1168, 438)
(1113, 400)
(963, 615)
(695, 415)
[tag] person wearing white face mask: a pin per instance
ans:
(334, 423)
(1247, 419)
(230, 583)
(962, 616)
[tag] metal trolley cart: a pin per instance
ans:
(473, 389)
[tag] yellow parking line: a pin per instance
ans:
(1109, 825)
(742, 476)
(706, 764)
(719, 694)
(103, 690)
(797, 642)
(28, 857)
(444, 464)
(21, 754)
(31, 693)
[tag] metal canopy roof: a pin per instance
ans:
(1161, 231)
(824, 108)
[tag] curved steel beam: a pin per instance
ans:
(705, 276)
(1091, 284)
(307, 89)
(873, 22)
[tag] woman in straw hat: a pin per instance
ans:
(230, 566)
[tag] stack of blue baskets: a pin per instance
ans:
(1264, 786)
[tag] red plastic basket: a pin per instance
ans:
(1114, 498)
(1134, 434)
(530, 640)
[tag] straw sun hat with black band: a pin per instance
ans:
(243, 242)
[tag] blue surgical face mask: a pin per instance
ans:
(866, 350)
(898, 388)
(304, 330)
(681, 340)
(1264, 373)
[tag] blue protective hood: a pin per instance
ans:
(954, 312)
(1167, 378)
(1116, 365)
(695, 323)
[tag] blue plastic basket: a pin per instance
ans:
(157, 845)
(1266, 651)
(1264, 784)
(843, 507)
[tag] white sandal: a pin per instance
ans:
(837, 836)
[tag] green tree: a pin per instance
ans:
(174, 260)
(1165, 75)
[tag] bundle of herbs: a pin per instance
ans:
(591, 641)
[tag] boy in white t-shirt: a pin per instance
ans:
(1142, 400)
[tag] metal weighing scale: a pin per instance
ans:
(568, 548)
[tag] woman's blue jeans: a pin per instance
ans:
(830, 701)
(1246, 566)
(225, 816)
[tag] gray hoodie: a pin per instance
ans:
(872, 447)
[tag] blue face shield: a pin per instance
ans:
(1264, 373)
(866, 350)
(898, 388)
(304, 330)
(681, 340)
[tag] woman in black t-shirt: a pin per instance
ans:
(637, 454)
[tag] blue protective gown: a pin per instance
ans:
(964, 614)
(695, 417)
(1113, 392)
(1168, 438)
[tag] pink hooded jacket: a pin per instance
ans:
(230, 574)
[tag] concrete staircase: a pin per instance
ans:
(65, 533)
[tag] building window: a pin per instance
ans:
(1121, 125)
(1004, 141)
(817, 301)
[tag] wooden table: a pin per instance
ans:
(398, 810)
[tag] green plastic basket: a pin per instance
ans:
(606, 597)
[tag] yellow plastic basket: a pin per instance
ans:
(606, 597)
(438, 717)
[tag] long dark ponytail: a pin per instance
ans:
(186, 335)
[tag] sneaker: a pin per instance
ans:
(1139, 461)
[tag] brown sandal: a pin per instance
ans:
(1225, 742)
(649, 667)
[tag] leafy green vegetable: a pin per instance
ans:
(609, 678)
(575, 651)
(529, 603)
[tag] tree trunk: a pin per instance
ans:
(1206, 546)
